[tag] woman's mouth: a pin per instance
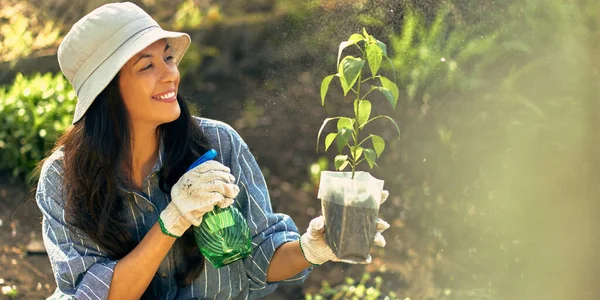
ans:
(166, 97)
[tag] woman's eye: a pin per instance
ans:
(149, 66)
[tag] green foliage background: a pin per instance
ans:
(34, 112)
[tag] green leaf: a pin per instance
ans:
(329, 139)
(340, 49)
(391, 120)
(359, 151)
(390, 85)
(374, 57)
(321, 130)
(325, 87)
(342, 138)
(354, 38)
(383, 47)
(378, 144)
(365, 34)
(387, 93)
(362, 110)
(370, 156)
(349, 70)
(345, 123)
(341, 161)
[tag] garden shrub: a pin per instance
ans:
(367, 288)
(34, 112)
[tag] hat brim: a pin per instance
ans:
(104, 74)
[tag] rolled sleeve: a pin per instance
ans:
(80, 269)
(269, 230)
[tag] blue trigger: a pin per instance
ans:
(210, 154)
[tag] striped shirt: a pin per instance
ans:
(83, 271)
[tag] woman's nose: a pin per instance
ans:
(170, 72)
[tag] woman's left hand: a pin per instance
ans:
(316, 250)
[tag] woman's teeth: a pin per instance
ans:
(165, 96)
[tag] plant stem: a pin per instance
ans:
(372, 89)
(356, 125)
(370, 78)
(364, 140)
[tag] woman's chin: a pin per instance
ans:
(174, 116)
(170, 115)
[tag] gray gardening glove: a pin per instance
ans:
(315, 248)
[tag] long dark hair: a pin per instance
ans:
(97, 156)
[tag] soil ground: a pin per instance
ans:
(29, 275)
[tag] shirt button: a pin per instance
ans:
(163, 274)
(150, 208)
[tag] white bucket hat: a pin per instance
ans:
(98, 45)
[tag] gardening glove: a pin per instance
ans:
(172, 223)
(196, 193)
(315, 248)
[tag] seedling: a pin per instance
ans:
(349, 129)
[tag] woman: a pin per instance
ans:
(117, 203)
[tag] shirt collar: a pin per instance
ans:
(157, 166)
(159, 161)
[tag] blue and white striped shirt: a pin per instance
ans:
(83, 271)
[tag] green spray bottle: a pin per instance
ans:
(223, 236)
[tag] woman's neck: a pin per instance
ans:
(144, 153)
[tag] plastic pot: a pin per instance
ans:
(350, 207)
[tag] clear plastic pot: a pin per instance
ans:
(350, 207)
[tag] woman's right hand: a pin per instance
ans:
(200, 189)
(196, 193)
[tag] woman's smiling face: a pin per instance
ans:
(149, 83)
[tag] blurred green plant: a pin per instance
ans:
(350, 74)
(190, 15)
(10, 291)
(367, 288)
(314, 170)
(34, 112)
(24, 30)
(194, 57)
(445, 55)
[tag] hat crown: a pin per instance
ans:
(96, 36)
